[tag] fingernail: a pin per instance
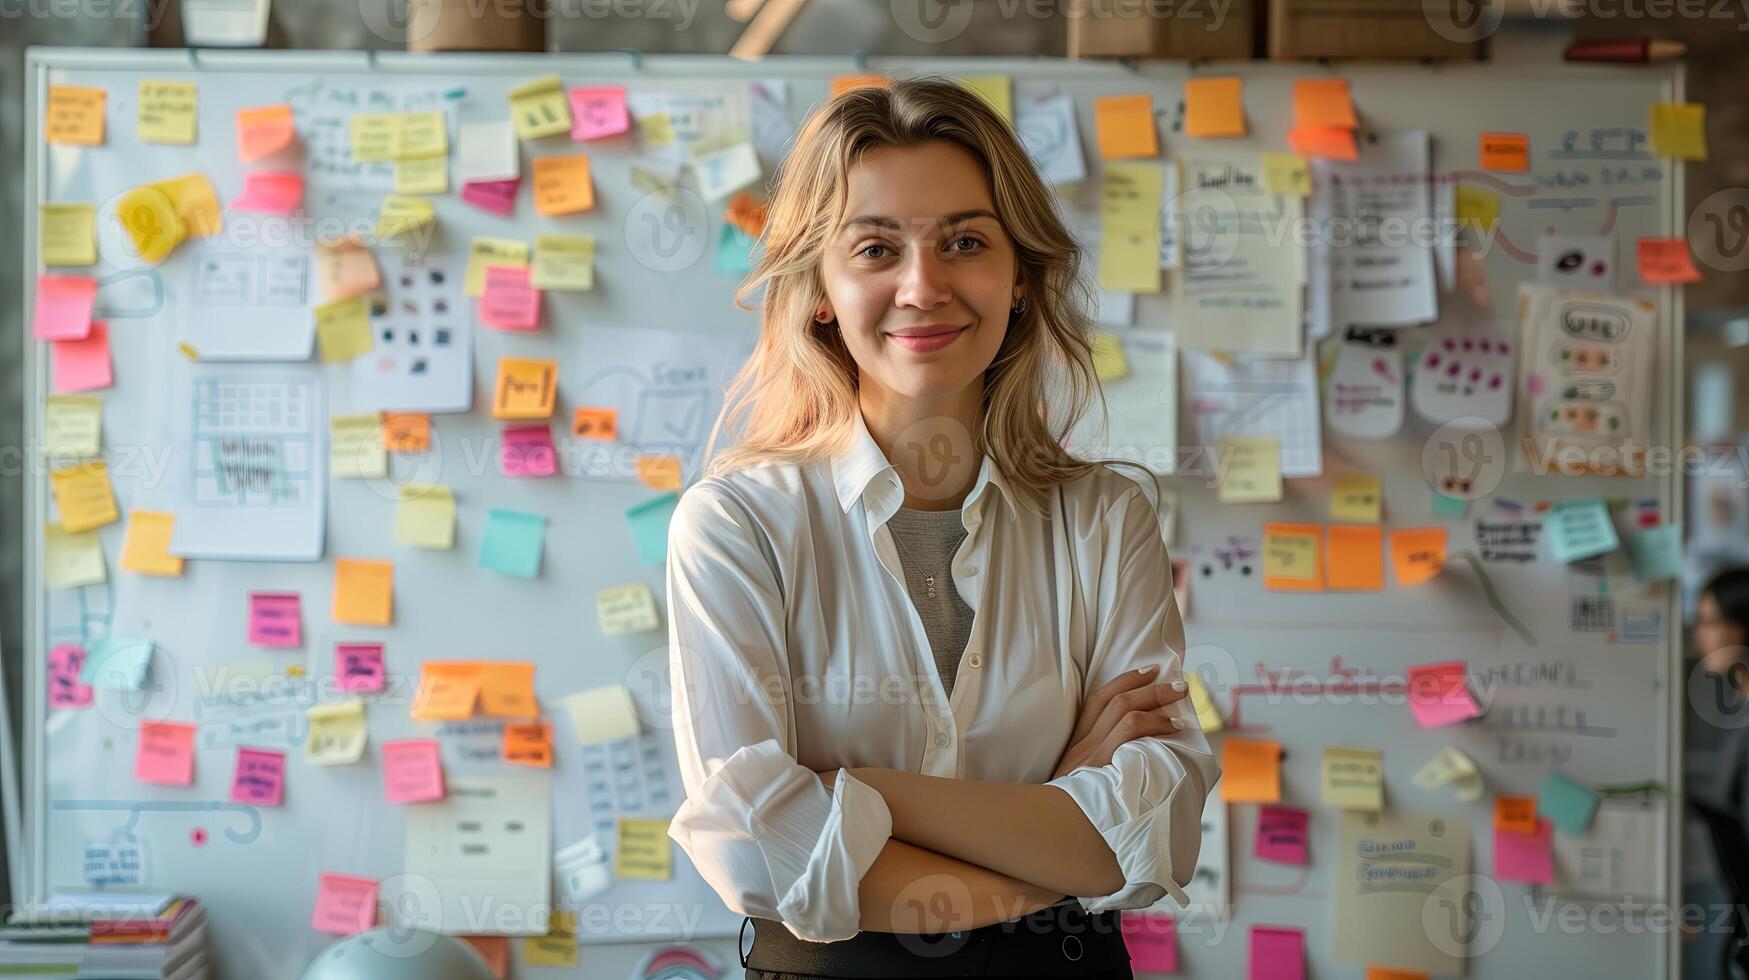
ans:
(1148, 669)
(1176, 723)
(1178, 685)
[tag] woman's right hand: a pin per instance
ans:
(1128, 708)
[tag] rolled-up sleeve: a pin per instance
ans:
(761, 829)
(1147, 802)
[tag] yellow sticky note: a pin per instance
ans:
(374, 136)
(1290, 557)
(343, 328)
(659, 472)
(1354, 779)
(74, 116)
(448, 691)
(1477, 207)
(82, 493)
(1207, 715)
(425, 516)
(429, 176)
(1679, 130)
(525, 389)
(67, 233)
(540, 108)
(602, 714)
(998, 90)
(629, 608)
(1250, 770)
(562, 185)
(147, 549)
(1109, 362)
(1129, 230)
(1214, 108)
(1125, 124)
(557, 948)
(167, 111)
(1253, 470)
(1357, 497)
(364, 592)
(72, 425)
(355, 447)
(400, 215)
(655, 130)
(1287, 173)
(196, 203)
(421, 136)
(152, 223)
(644, 850)
(337, 734)
(71, 559)
(484, 252)
(563, 262)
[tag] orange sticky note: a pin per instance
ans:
(1417, 555)
(588, 422)
(1355, 557)
(495, 950)
(1323, 102)
(364, 592)
(1391, 973)
(844, 83)
(562, 185)
(525, 388)
(1214, 107)
(1505, 152)
(1666, 260)
(747, 213)
(507, 690)
(345, 268)
(1325, 142)
(406, 432)
(1125, 124)
(1251, 771)
(529, 744)
(1516, 814)
(447, 691)
(147, 549)
(263, 130)
(74, 116)
(659, 472)
(1290, 558)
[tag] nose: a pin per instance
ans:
(923, 281)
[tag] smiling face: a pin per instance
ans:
(920, 274)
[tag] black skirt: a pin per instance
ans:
(1060, 941)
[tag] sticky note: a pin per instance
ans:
(270, 192)
(495, 196)
(602, 714)
(561, 184)
(599, 110)
(425, 516)
(525, 388)
(345, 267)
(147, 549)
(276, 619)
(364, 592)
(846, 83)
(1567, 804)
(343, 329)
(487, 151)
(83, 496)
(1448, 766)
(1505, 152)
(345, 905)
(629, 608)
(1524, 857)
(1417, 555)
(1323, 102)
(1251, 770)
(1324, 142)
(406, 432)
(1439, 693)
(358, 667)
(1355, 558)
(1125, 126)
(1109, 363)
(734, 253)
(412, 771)
(649, 525)
(1277, 953)
(66, 233)
(355, 448)
(263, 131)
(71, 559)
(659, 472)
(74, 116)
(117, 663)
(528, 744)
(195, 202)
(337, 734)
(373, 136)
(72, 425)
(558, 947)
(1152, 941)
(1515, 814)
(1207, 714)
(165, 754)
(1354, 778)
(724, 170)
(1290, 558)
(996, 90)
(1357, 497)
(591, 422)
(1666, 260)
(448, 691)
(151, 221)
(1578, 529)
(168, 111)
(1455, 508)
(507, 689)
(421, 136)
(512, 542)
(1478, 208)
(65, 688)
(540, 108)
(1287, 173)
(509, 302)
(1129, 228)
(1214, 107)
(429, 176)
(1252, 470)
(1389, 973)
(644, 851)
(563, 262)
(1679, 130)
(483, 253)
(1281, 835)
(1655, 553)
(399, 215)
(259, 779)
(82, 365)
(63, 307)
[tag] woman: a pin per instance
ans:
(926, 665)
(1721, 635)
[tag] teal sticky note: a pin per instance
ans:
(1567, 804)
(734, 255)
(118, 663)
(1655, 553)
(512, 542)
(1579, 529)
(649, 523)
(1453, 507)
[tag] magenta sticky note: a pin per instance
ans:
(1152, 941)
(1524, 857)
(496, 196)
(1281, 834)
(166, 754)
(345, 905)
(82, 365)
(1439, 694)
(1277, 953)
(270, 192)
(412, 771)
(275, 619)
(598, 110)
(63, 307)
(527, 451)
(509, 302)
(359, 666)
(65, 691)
(259, 779)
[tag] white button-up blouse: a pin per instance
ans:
(794, 647)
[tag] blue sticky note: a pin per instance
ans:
(512, 542)
(734, 252)
(1656, 553)
(118, 663)
(1453, 507)
(1579, 529)
(649, 522)
(1567, 804)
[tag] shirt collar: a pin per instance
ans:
(862, 464)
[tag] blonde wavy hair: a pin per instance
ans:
(794, 399)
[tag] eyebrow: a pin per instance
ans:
(894, 224)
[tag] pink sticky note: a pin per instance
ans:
(345, 905)
(65, 691)
(1439, 694)
(1524, 857)
(270, 192)
(412, 771)
(81, 365)
(1277, 953)
(496, 196)
(63, 307)
(359, 666)
(509, 302)
(1281, 835)
(527, 451)
(598, 110)
(259, 779)
(1152, 941)
(166, 754)
(275, 619)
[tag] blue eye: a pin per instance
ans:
(865, 251)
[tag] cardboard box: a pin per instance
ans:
(1389, 29)
(1162, 29)
(458, 25)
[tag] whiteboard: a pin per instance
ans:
(258, 866)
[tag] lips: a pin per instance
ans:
(929, 337)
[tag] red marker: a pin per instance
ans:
(1626, 49)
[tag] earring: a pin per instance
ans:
(1019, 307)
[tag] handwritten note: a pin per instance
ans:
(645, 850)
(355, 447)
(259, 779)
(1253, 470)
(1290, 557)
(74, 116)
(1505, 152)
(406, 432)
(412, 771)
(167, 111)
(1579, 529)
(263, 131)
(448, 691)
(359, 667)
(276, 619)
(429, 176)
(147, 549)
(1125, 126)
(529, 744)
(337, 734)
(1354, 778)
(507, 689)
(1281, 835)
(484, 253)
(400, 215)
(1251, 770)
(562, 185)
(1666, 261)
(563, 262)
(599, 110)
(425, 516)
(540, 108)
(65, 688)
(629, 608)
(512, 542)
(345, 905)
(83, 496)
(1655, 553)
(66, 233)
(71, 560)
(1439, 694)
(73, 425)
(1417, 554)
(590, 422)
(1515, 814)
(1357, 497)
(1214, 107)
(1287, 173)
(165, 754)
(363, 592)
(509, 302)
(525, 388)
(373, 136)
(345, 267)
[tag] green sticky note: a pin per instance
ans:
(649, 523)
(1444, 506)
(734, 252)
(1567, 804)
(1579, 529)
(512, 542)
(118, 663)
(1655, 553)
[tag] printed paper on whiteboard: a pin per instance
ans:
(247, 304)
